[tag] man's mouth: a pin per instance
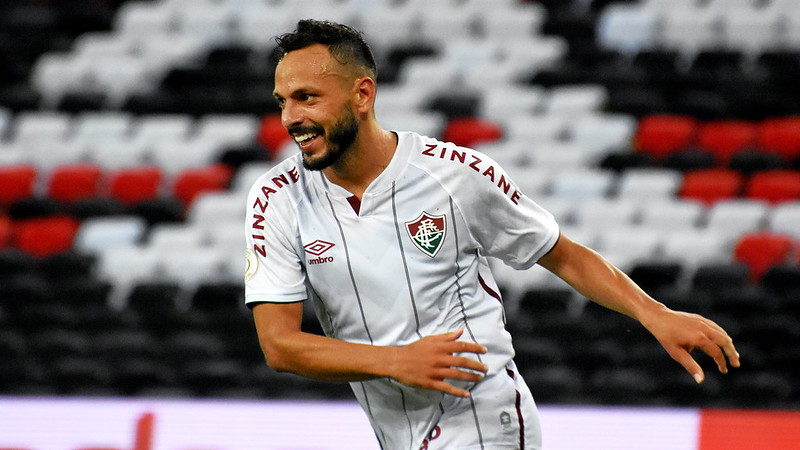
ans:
(304, 138)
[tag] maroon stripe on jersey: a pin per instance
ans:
(521, 421)
(489, 290)
(518, 405)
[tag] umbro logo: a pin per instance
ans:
(317, 248)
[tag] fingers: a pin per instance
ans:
(685, 359)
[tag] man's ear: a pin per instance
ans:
(364, 91)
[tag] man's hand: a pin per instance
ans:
(427, 362)
(680, 333)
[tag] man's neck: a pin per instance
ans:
(371, 154)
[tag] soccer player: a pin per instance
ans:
(388, 234)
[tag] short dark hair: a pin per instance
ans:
(345, 43)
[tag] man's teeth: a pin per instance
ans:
(303, 137)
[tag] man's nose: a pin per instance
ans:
(290, 115)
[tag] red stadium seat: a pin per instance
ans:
(192, 182)
(780, 136)
(6, 227)
(134, 185)
(711, 185)
(469, 132)
(774, 186)
(45, 236)
(272, 135)
(762, 250)
(16, 182)
(724, 138)
(661, 135)
(72, 182)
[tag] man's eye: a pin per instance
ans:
(306, 97)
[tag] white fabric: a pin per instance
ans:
(372, 283)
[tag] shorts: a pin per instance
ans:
(500, 414)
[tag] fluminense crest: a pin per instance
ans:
(427, 232)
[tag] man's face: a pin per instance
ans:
(312, 89)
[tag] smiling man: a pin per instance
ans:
(388, 234)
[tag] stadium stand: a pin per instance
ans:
(664, 133)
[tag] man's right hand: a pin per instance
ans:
(428, 362)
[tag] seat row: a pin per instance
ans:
(117, 140)
(691, 25)
(661, 135)
(24, 192)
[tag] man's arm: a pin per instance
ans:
(425, 363)
(678, 332)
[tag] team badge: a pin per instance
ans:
(427, 232)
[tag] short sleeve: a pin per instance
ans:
(273, 271)
(505, 222)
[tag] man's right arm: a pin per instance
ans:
(426, 363)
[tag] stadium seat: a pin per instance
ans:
(657, 276)
(627, 28)
(512, 20)
(176, 156)
(192, 182)
(716, 279)
(123, 266)
(784, 218)
(749, 162)
(101, 126)
(660, 135)
(644, 185)
(576, 99)
(35, 126)
(711, 185)
(45, 236)
(16, 182)
(733, 218)
(271, 134)
(5, 231)
(504, 102)
(152, 128)
(602, 133)
(782, 280)
(723, 139)
(72, 182)
(762, 250)
(780, 136)
(557, 155)
(690, 30)
(534, 128)
(579, 183)
(191, 266)
(99, 233)
(774, 186)
(217, 207)
(117, 153)
(628, 246)
(469, 132)
(168, 237)
(751, 29)
(604, 214)
(135, 184)
(227, 129)
(671, 214)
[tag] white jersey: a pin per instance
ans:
(409, 261)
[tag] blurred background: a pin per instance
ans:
(663, 133)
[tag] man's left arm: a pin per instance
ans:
(603, 283)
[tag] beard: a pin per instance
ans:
(340, 139)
